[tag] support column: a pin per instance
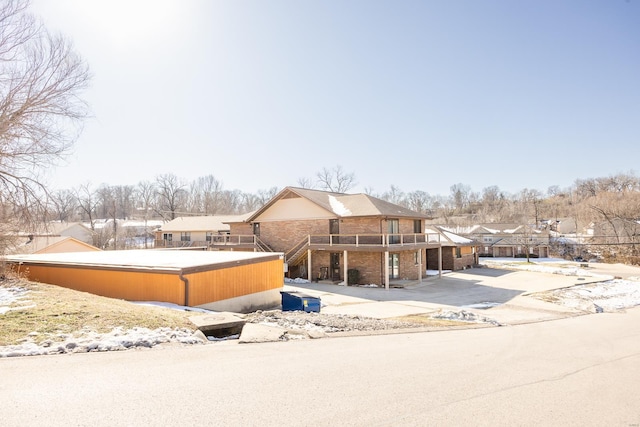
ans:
(346, 270)
(386, 270)
(309, 270)
(440, 261)
(420, 265)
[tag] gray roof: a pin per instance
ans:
(344, 205)
(202, 223)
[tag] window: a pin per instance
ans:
(167, 236)
(185, 236)
(417, 226)
(209, 236)
(458, 252)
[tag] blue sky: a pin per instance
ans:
(417, 94)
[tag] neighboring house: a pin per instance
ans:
(508, 240)
(68, 229)
(349, 238)
(458, 252)
(617, 231)
(55, 237)
(53, 245)
(195, 231)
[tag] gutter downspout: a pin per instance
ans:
(186, 288)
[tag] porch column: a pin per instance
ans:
(440, 261)
(420, 265)
(309, 273)
(346, 270)
(386, 270)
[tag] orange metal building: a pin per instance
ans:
(221, 281)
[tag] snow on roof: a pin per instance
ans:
(338, 207)
(150, 259)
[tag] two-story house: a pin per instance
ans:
(348, 238)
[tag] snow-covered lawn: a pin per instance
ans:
(610, 294)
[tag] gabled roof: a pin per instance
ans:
(449, 238)
(343, 205)
(56, 228)
(53, 244)
(202, 223)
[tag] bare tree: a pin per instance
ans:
(41, 79)
(144, 195)
(170, 194)
(64, 204)
(306, 183)
(204, 195)
(336, 180)
(394, 195)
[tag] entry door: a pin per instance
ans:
(334, 228)
(393, 230)
(394, 266)
(335, 266)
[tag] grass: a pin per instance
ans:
(426, 321)
(53, 310)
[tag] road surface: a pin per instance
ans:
(577, 371)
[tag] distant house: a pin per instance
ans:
(617, 231)
(508, 240)
(458, 252)
(68, 229)
(344, 238)
(55, 237)
(195, 231)
(53, 244)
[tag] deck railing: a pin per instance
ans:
(339, 240)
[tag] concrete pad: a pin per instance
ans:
(256, 333)
(218, 324)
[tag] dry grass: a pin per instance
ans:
(57, 310)
(425, 320)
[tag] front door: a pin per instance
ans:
(335, 266)
(394, 266)
(334, 228)
(393, 230)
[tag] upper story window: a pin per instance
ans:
(417, 226)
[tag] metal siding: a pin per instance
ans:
(218, 285)
(128, 285)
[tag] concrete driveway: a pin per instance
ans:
(502, 295)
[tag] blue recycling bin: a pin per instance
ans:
(297, 301)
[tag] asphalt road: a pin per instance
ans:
(577, 371)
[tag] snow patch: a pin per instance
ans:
(337, 207)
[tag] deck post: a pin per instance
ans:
(420, 265)
(309, 274)
(346, 270)
(386, 270)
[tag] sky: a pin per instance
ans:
(421, 95)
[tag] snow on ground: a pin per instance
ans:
(87, 341)
(608, 295)
(13, 298)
